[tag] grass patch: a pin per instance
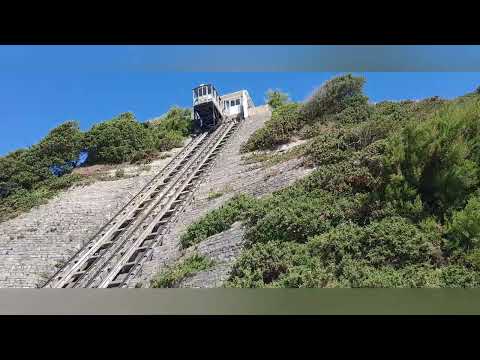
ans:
(274, 158)
(172, 276)
(214, 194)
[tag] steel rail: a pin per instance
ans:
(102, 263)
(178, 197)
(77, 260)
(137, 266)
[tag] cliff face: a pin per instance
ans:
(33, 244)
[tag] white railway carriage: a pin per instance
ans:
(210, 109)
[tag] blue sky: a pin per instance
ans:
(43, 86)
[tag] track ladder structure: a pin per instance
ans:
(116, 253)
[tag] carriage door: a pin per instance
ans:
(227, 107)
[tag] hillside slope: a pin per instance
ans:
(229, 176)
(393, 199)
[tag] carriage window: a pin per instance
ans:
(237, 102)
(195, 93)
(209, 89)
(232, 103)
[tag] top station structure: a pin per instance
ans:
(210, 108)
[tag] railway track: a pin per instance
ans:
(116, 253)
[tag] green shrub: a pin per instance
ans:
(414, 276)
(144, 156)
(172, 276)
(217, 220)
(437, 159)
(277, 130)
(18, 171)
(279, 264)
(167, 140)
(276, 98)
(345, 177)
(455, 276)
(61, 146)
(327, 149)
(265, 263)
(333, 97)
(358, 274)
(175, 120)
(23, 200)
(296, 217)
(117, 140)
(473, 259)
(26, 176)
(391, 242)
(464, 226)
(125, 139)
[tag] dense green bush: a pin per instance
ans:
(464, 227)
(28, 177)
(25, 168)
(60, 147)
(334, 97)
(472, 259)
(297, 216)
(177, 120)
(218, 220)
(117, 140)
(360, 275)
(327, 148)
(345, 177)
(263, 264)
(391, 242)
(437, 160)
(339, 100)
(167, 140)
(125, 139)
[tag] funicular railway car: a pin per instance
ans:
(210, 109)
(207, 114)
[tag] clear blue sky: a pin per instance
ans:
(43, 86)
